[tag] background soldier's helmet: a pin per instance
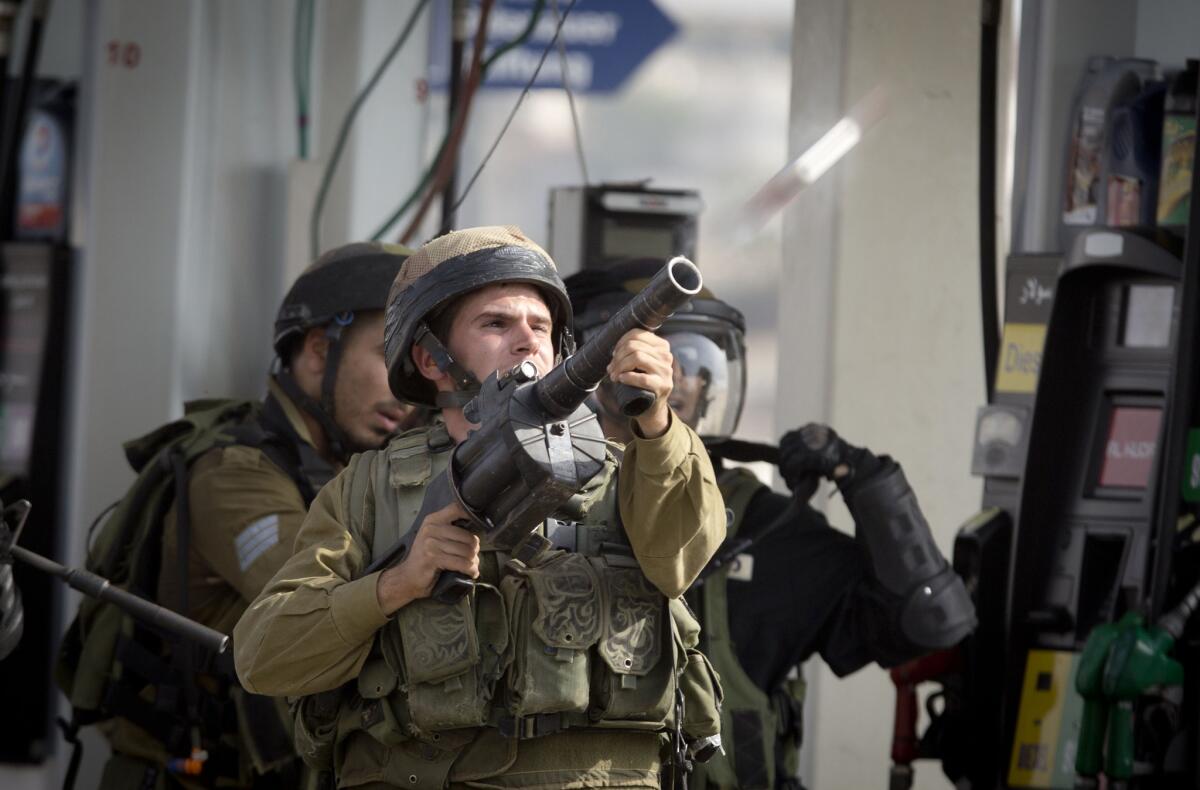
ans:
(445, 269)
(347, 279)
(350, 279)
(707, 338)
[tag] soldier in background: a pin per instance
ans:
(785, 585)
(247, 473)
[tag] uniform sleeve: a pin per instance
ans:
(245, 516)
(312, 626)
(671, 506)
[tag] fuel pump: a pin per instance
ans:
(1084, 562)
(37, 275)
(1091, 535)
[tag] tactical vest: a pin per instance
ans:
(762, 731)
(112, 668)
(570, 636)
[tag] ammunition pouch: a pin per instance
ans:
(565, 642)
(702, 696)
(573, 637)
(439, 650)
(553, 609)
(314, 722)
(634, 684)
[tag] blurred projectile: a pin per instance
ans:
(810, 165)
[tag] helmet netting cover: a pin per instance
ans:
(458, 243)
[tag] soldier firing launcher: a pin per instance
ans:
(537, 444)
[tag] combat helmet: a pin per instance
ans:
(346, 280)
(441, 271)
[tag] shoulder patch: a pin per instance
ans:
(257, 539)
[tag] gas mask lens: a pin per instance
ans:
(708, 382)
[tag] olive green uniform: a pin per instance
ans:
(318, 622)
(245, 514)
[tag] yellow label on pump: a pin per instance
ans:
(1020, 358)
(1043, 753)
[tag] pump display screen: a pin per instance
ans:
(1130, 447)
(623, 240)
(1147, 319)
(24, 322)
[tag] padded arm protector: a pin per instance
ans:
(12, 614)
(936, 612)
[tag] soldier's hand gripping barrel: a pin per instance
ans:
(567, 386)
(537, 444)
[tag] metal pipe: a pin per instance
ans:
(148, 612)
(458, 41)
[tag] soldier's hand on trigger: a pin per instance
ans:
(440, 545)
(810, 452)
(643, 359)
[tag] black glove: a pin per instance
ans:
(812, 452)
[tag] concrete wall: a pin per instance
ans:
(898, 352)
(183, 183)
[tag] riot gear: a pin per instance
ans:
(936, 611)
(860, 602)
(708, 384)
(433, 278)
(346, 280)
(706, 337)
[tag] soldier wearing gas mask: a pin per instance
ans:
(785, 585)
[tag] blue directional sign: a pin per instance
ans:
(605, 40)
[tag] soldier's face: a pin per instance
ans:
(686, 394)
(500, 326)
(363, 404)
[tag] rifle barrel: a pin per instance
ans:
(149, 612)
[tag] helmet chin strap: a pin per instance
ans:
(334, 435)
(465, 384)
(340, 444)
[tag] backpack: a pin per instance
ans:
(111, 665)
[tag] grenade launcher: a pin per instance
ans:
(537, 443)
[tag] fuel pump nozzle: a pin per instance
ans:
(1120, 662)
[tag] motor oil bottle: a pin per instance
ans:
(1134, 158)
(1178, 149)
(1108, 83)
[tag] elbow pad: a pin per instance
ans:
(12, 613)
(935, 610)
